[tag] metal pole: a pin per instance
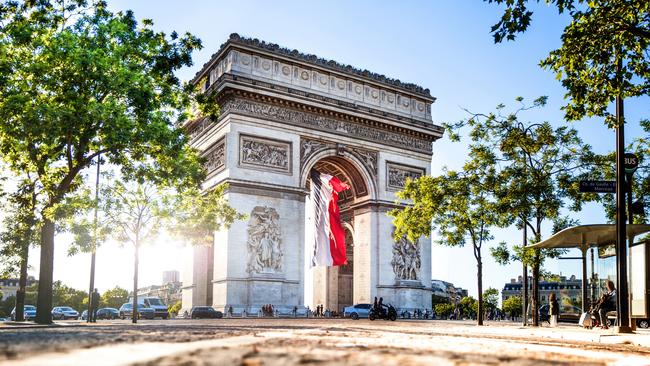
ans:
(524, 280)
(593, 278)
(92, 255)
(623, 312)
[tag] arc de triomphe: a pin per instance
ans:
(282, 114)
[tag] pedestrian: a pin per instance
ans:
(94, 305)
(554, 309)
(374, 306)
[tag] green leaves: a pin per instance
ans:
(601, 35)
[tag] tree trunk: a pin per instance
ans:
(44, 302)
(524, 280)
(22, 285)
(479, 278)
(536, 290)
(134, 314)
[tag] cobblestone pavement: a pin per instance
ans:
(315, 341)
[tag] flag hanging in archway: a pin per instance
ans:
(329, 236)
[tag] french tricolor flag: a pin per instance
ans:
(329, 237)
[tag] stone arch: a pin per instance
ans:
(349, 165)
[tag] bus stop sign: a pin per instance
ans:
(631, 163)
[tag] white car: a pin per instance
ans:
(64, 313)
(357, 311)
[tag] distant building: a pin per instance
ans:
(171, 276)
(9, 286)
(569, 289)
(444, 291)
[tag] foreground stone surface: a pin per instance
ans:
(316, 341)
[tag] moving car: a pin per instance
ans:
(108, 313)
(568, 313)
(64, 313)
(205, 312)
(29, 311)
(357, 311)
(126, 311)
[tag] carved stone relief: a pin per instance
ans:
(215, 157)
(264, 241)
(264, 153)
(406, 259)
(325, 123)
(397, 174)
(310, 147)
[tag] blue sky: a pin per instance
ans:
(442, 45)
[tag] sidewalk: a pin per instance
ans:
(569, 332)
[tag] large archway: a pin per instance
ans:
(333, 287)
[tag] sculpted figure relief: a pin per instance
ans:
(397, 175)
(264, 241)
(261, 153)
(406, 259)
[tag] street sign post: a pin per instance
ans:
(598, 186)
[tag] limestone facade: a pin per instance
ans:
(282, 114)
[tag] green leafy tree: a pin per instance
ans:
(443, 310)
(78, 81)
(115, 297)
(491, 299)
(20, 232)
(6, 305)
(513, 306)
(63, 295)
(468, 307)
(458, 205)
(601, 36)
(175, 308)
(537, 169)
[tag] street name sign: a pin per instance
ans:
(598, 186)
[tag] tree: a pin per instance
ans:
(63, 295)
(115, 297)
(78, 81)
(601, 35)
(135, 211)
(443, 310)
(21, 232)
(458, 205)
(491, 299)
(512, 306)
(174, 309)
(537, 169)
(468, 307)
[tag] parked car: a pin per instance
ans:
(29, 312)
(357, 311)
(108, 313)
(126, 311)
(64, 313)
(205, 312)
(84, 315)
(568, 313)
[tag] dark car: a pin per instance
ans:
(108, 313)
(568, 313)
(205, 312)
(126, 311)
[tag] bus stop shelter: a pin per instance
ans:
(584, 237)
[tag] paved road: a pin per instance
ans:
(312, 341)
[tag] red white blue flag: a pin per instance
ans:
(329, 237)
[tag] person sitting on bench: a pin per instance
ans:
(605, 304)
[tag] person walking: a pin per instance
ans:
(94, 305)
(554, 310)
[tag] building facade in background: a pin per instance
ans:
(284, 113)
(171, 276)
(567, 290)
(9, 286)
(443, 291)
